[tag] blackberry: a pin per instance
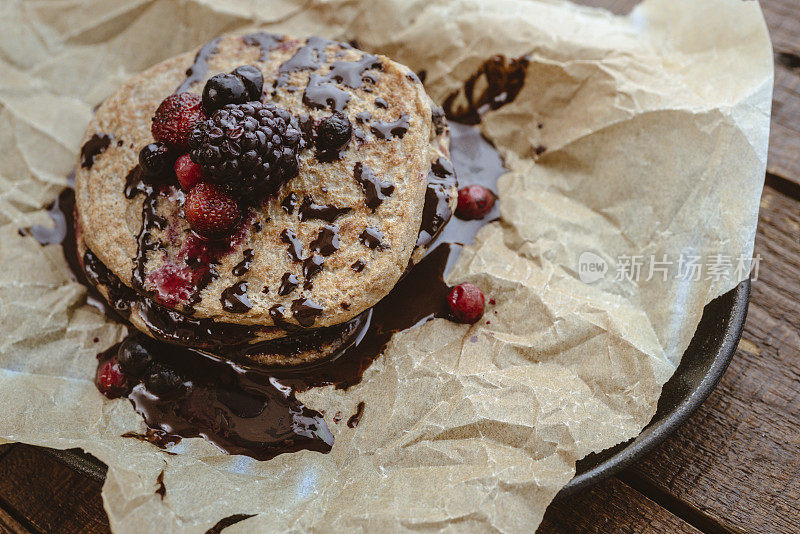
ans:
(155, 159)
(163, 380)
(248, 149)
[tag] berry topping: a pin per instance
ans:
(224, 89)
(333, 134)
(163, 380)
(249, 149)
(133, 357)
(175, 118)
(466, 303)
(155, 159)
(210, 212)
(474, 202)
(252, 79)
(188, 172)
(110, 379)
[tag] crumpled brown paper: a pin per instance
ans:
(655, 127)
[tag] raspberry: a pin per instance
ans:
(249, 149)
(110, 379)
(175, 118)
(188, 172)
(466, 303)
(474, 202)
(210, 212)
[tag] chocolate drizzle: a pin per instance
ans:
(313, 265)
(352, 73)
(375, 189)
(96, 145)
(327, 241)
(243, 266)
(320, 93)
(390, 130)
(266, 42)
(373, 238)
(504, 79)
(234, 299)
(295, 246)
(358, 266)
(144, 243)
(289, 283)
(308, 57)
(354, 419)
(311, 210)
(198, 70)
(289, 203)
(306, 311)
(437, 211)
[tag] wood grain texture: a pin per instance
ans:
(9, 525)
(52, 497)
(611, 506)
(738, 458)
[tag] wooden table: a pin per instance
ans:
(734, 467)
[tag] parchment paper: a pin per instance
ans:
(656, 128)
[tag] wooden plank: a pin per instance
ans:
(51, 496)
(611, 506)
(9, 525)
(783, 19)
(737, 459)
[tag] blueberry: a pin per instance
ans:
(163, 380)
(252, 79)
(155, 159)
(134, 357)
(333, 133)
(223, 89)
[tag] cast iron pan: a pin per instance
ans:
(701, 368)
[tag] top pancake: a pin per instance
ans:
(111, 223)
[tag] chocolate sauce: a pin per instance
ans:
(358, 266)
(144, 243)
(503, 80)
(289, 283)
(390, 130)
(363, 116)
(306, 311)
(295, 246)
(308, 57)
(356, 417)
(311, 210)
(266, 42)
(290, 203)
(476, 161)
(375, 189)
(240, 412)
(243, 267)
(381, 103)
(320, 94)
(198, 70)
(234, 299)
(327, 241)
(373, 238)
(352, 73)
(96, 145)
(436, 211)
(313, 265)
(45, 235)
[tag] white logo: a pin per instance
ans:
(591, 267)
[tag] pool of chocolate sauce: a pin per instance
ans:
(253, 411)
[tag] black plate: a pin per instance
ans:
(701, 368)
